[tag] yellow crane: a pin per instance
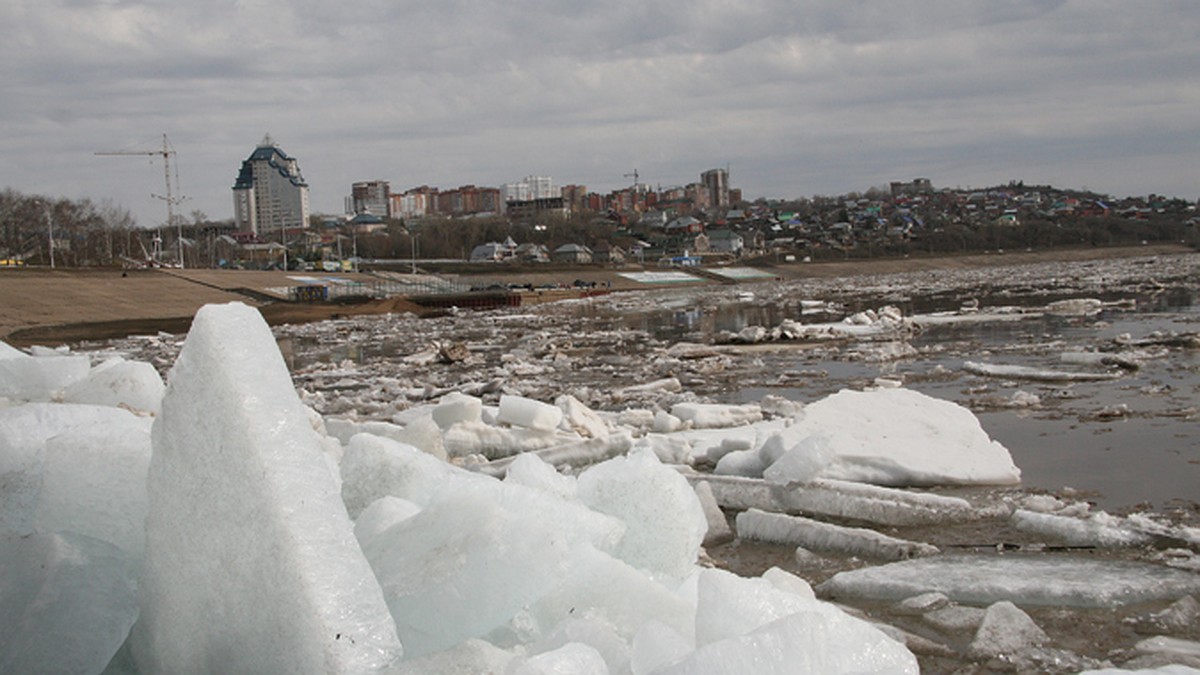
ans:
(165, 152)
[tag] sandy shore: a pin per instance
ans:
(51, 307)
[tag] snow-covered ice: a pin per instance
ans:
(902, 437)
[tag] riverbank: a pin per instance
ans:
(53, 307)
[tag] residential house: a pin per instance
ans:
(726, 241)
(573, 253)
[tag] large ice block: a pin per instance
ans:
(903, 437)
(250, 564)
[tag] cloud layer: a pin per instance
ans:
(796, 97)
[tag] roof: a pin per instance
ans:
(273, 155)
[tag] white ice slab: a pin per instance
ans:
(40, 378)
(250, 564)
(1045, 581)
(716, 415)
(117, 382)
(1098, 529)
(903, 437)
(529, 413)
(814, 535)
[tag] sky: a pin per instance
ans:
(795, 97)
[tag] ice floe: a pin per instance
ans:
(976, 579)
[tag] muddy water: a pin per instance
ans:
(1130, 441)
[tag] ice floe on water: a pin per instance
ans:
(534, 507)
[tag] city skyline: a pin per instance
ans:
(797, 99)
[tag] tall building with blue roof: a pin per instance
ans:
(270, 196)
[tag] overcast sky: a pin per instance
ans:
(796, 97)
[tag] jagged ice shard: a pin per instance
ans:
(250, 564)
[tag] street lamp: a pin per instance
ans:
(415, 238)
(50, 230)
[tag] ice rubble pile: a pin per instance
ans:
(250, 560)
(346, 546)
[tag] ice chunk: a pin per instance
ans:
(604, 588)
(250, 564)
(456, 407)
(40, 378)
(669, 449)
(94, 483)
(715, 415)
(420, 432)
(751, 626)
(577, 453)
(574, 658)
(7, 351)
(24, 432)
(955, 618)
(135, 384)
(786, 581)
(526, 412)
(778, 528)
(1162, 644)
(531, 471)
(903, 437)
(1075, 307)
(1097, 530)
(580, 418)
(801, 462)
(719, 531)
(664, 520)
(493, 442)
(594, 632)
(464, 566)
(1006, 630)
(1058, 581)
(1034, 374)
(469, 657)
(744, 463)
(920, 604)
(841, 499)
(375, 467)
(656, 645)
(382, 514)
(66, 603)
(801, 643)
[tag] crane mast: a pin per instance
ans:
(169, 198)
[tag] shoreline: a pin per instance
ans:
(54, 307)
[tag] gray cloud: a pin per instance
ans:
(798, 98)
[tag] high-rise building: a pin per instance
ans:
(370, 196)
(717, 182)
(269, 195)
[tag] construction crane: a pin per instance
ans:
(166, 152)
(634, 176)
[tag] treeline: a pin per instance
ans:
(74, 233)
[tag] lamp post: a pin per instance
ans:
(415, 238)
